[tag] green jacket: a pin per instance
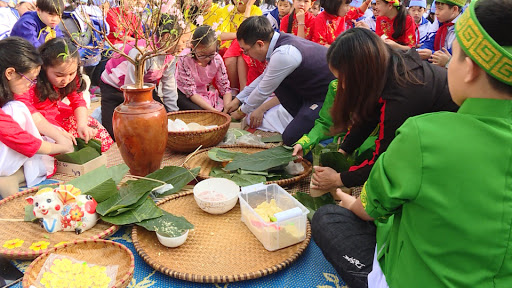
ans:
(447, 180)
(322, 124)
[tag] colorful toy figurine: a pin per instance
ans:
(64, 209)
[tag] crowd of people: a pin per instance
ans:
(433, 82)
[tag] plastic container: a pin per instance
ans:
(289, 227)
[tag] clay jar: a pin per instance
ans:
(140, 129)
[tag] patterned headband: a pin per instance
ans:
(481, 48)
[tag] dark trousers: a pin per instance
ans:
(302, 123)
(184, 103)
(111, 98)
(346, 241)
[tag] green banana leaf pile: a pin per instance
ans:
(131, 203)
(84, 152)
(247, 169)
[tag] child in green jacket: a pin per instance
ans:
(441, 195)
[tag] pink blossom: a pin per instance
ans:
(230, 8)
(200, 20)
(167, 4)
(215, 26)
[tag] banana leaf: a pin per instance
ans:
(215, 171)
(243, 180)
(167, 225)
(261, 161)
(132, 191)
(336, 161)
(79, 157)
(273, 139)
(248, 172)
(313, 203)
(117, 172)
(29, 213)
(222, 155)
(93, 143)
(98, 183)
(148, 210)
(128, 208)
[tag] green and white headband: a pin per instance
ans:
(496, 60)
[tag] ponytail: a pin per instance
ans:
(400, 21)
(291, 18)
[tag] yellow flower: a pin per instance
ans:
(41, 245)
(60, 244)
(13, 243)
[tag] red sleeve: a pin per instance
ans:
(409, 37)
(319, 30)
(14, 137)
(76, 100)
(29, 98)
(309, 24)
(378, 26)
(284, 24)
(112, 22)
(353, 14)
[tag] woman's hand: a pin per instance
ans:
(297, 151)
(85, 132)
(66, 137)
(347, 201)
(325, 178)
(256, 118)
(424, 53)
(300, 16)
(361, 24)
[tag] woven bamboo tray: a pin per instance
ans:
(99, 252)
(201, 159)
(188, 141)
(13, 207)
(220, 249)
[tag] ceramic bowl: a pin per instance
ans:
(216, 195)
(172, 242)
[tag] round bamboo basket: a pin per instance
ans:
(98, 252)
(219, 249)
(201, 159)
(12, 212)
(188, 141)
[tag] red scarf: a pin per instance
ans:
(441, 36)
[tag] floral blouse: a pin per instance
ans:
(309, 20)
(327, 26)
(385, 27)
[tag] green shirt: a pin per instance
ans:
(447, 179)
(322, 124)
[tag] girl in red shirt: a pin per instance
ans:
(395, 23)
(332, 21)
(21, 145)
(302, 20)
(60, 77)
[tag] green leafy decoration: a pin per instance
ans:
(177, 176)
(313, 203)
(222, 155)
(261, 161)
(98, 183)
(29, 213)
(243, 180)
(79, 157)
(131, 207)
(117, 172)
(148, 210)
(167, 225)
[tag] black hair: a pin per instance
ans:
(332, 6)
(55, 52)
(399, 23)
(255, 28)
(19, 54)
(360, 56)
(51, 6)
(291, 18)
(493, 15)
(203, 35)
(169, 24)
(451, 5)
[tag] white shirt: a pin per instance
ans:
(8, 17)
(282, 61)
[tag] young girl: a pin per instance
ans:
(331, 22)
(60, 77)
(394, 22)
(402, 86)
(301, 21)
(198, 70)
(315, 8)
(427, 216)
(119, 72)
(21, 145)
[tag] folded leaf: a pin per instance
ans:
(98, 183)
(248, 172)
(313, 203)
(167, 225)
(128, 208)
(222, 155)
(243, 180)
(177, 176)
(148, 210)
(118, 172)
(261, 161)
(29, 213)
(79, 157)
(128, 194)
(93, 143)
(336, 161)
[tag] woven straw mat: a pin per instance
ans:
(13, 207)
(201, 159)
(98, 252)
(219, 249)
